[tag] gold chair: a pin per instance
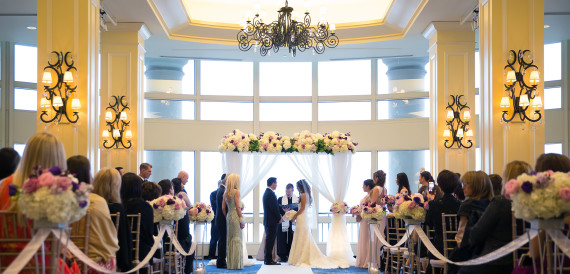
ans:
(80, 237)
(450, 223)
(173, 258)
(115, 218)
(14, 236)
(520, 227)
(397, 253)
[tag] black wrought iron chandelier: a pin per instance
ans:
(116, 133)
(457, 127)
(58, 97)
(526, 97)
(286, 32)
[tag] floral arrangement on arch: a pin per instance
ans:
(411, 207)
(53, 195)
(200, 212)
(168, 208)
(339, 208)
(301, 142)
(542, 195)
(355, 210)
(289, 215)
(372, 212)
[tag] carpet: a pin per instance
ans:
(260, 268)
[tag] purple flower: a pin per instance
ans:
(180, 196)
(526, 187)
(170, 202)
(407, 198)
(55, 170)
(12, 190)
(532, 173)
(155, 206)
(417, 200)
(74, 185)
(83, 203)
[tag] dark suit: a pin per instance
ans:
(284, 239)
(214, 234)
(271, 218)
(448, 205)
(146, 239)
(222, 229)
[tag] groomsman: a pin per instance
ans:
(271, 218)
(221, 224)
(145, 171)
(285, 229)
(214, 234)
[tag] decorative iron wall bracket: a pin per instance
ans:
(116, 134)
(58, 97)
(457, 128)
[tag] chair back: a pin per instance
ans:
(520, 227)
(13, 235)
(80, 236)
(391, 230)
(449, 223)
(115, 217)
(135, 224)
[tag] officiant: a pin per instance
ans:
(285, 229)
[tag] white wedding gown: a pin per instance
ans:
(304, 250)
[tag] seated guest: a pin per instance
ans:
(131, 190)
(494, 228)
(183, 236)
(497, 183)
(552, 161)
(103, 241)
(447, 205)
(166, 187)
(107, 184)
(121, 170)
(9, 159)
(479, 191)
(458, 192)
(150, 191)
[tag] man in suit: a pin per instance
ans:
(214, 234)
(285, 229)
(221, 224)
(271, 218)
(145, 171)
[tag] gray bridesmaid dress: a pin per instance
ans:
(235, 248)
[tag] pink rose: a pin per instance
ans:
(31, 185)
(46, 179)
(400, 200)
(161, 202)
(426, 206)
(193, 211)
(411, 205)
(63, 183)
(511, 187)
(565, 193)
(176, 206)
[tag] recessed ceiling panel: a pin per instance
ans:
(339, 12)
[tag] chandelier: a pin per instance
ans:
(286, 32)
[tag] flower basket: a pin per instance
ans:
(52, 197)
(168, 208)
(201, 213)
(410, 208)
(543, 195)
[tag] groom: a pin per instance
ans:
(271, 218)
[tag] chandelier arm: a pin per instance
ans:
(44, 113)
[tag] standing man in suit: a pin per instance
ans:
(271, 218)
(145, 171)
(285, 229)
(214, 234)
(221, 224)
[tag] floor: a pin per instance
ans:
(284, 268)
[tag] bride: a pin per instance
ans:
(304, 250)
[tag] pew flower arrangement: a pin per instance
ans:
(168, 208)
(410, 207)
(372, 212)
(200, 212)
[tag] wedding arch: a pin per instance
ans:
(253, 157)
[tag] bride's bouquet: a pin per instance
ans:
(168, 208)
(410, 207)
(289, 215)
(339, 208)
(355, 210)
(372, 212)
(200, 212)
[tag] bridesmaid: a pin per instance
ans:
(362, 256)
(232, 211)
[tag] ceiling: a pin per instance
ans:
(382, 38)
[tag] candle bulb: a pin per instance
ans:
(505, 102)
(446, 133)
(523, 101)
(511, 77)
(450, 114)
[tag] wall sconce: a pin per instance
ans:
(116, 132)
(527, 96)
(457, 119)
(58, 94)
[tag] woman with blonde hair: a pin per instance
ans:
(42, 150)
(107, 184)
(479, 190)
(232, 210)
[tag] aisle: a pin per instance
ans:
(283, 269)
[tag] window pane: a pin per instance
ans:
(360, 171)
(344, 77)
(552, 98)
(407, 108)
(188, 80)
(26, 64)
(226, 78)
(553, 148)
(477, 158)
(382, 77)
(285, 112)
(20, 148)
(210, 173)
(271, 75)
(167, 163)
(427, 77)
(477, 104)
(552, 61)
(286, 173)
(25, 99)
(168, 109)
(231, 111)
(477, 70)
(344, 111)
(407, 161)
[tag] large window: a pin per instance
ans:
(26, 64)
(285, 112)
(166, 164)
(552, 98)
(25, 99)
(406, 161)
(210, 173)
(285, 79)
(552, 62)
(344, 77)
(168, 109)
(405, 108)
(226, 111)
(226, 78)
(344, 111)
(553, 148)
